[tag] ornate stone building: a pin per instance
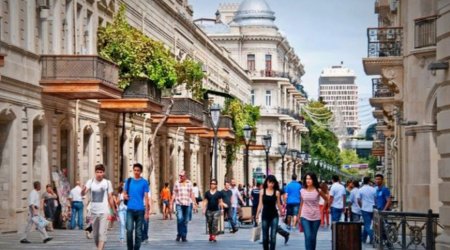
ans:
(59, 101)
(409, 54)
(249, 32)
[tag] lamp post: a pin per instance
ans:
(294, 155)
(304, 157)
(267, 140)
(215, 117)
(247, 135)
(282, 149)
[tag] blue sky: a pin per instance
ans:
(322, 32)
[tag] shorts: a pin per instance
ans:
(292, 209)
(165, 202)
(99, 227)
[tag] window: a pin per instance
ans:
(251, 62)
(268, 65)
(253, 97)
(268, 98)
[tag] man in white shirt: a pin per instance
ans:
(354, 197)
(368, 195)
(337, 199)
(76, 202)
(235, 202)
(34, 203)
(101, 200)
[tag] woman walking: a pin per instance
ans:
(212, 206)
(122, 211)
(50, 205)
(165, 196)
(309, 213)
(269, 199)
(324, 208)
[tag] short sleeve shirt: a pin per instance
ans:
(293, 192)
(227, 196)
(368, 195)
(337, 191)
(99, 195)
(136, 192)
(236, 195)
(354, 196)
(383, 194)
(182, 193)
(213, 200)
(310, 208)
(34, 199)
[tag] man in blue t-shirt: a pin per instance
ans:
(138, 207)
(383, 200)
(292, 200)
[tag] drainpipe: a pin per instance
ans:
(75, 41)
(144, 140)
(122, 144)
(77, 130)
(394, 150)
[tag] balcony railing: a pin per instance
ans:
(383, 42)
(79, 67)
(225, 122)
(425, 32)
(185, 106)
(273, 73)
(143, 88)
(291, 113)
(379, 89)
(401, 230)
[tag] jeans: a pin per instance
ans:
(122, 218)
(182, 220)
(336, 214)
(77, 208)
(234, 211)
(229, 213)
(145, 229)
(272, 241)
(135, 219)
(310, 228)
(367, 219)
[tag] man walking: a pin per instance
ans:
(101, 200)
(292, 201)
(384, 200)
(138, 207)
(182, 197)
(235, 201)
(227, 200)
(34, 203)
(367, 195)
(354, 197)
(337, 199)
(76, 201)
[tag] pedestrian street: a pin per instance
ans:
(162, 236)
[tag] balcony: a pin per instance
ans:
(381, 5)
(225, 130)
(293, 114)
(385, 49)
(79, 77)
(185, 112)
(141, 96)
(425, 32)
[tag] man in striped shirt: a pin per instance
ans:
(182, 197)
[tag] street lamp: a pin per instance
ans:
(294, 156)
(267, 140)
(215, 117)
(282, 149)
(247, 136)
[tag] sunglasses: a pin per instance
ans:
(213, 183)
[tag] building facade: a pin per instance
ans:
(408, 53)
(338, 89)
(46, 46)
(248, 31)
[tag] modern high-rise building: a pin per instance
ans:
(338, 89)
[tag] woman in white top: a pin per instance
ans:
(122, 213)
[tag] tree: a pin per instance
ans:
(349, 156)
(140, 57)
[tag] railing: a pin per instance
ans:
(379, 89)
(402, 230)
(224, 122)
(79, 67)
(185, 106)
(143, 88)
(291, 113)
(384, 42)
(425, 32)
(273, 73)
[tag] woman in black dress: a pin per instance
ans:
(269, 198)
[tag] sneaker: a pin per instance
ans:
(48, 239)
(25, 241)
(286, 239)
(214, 238)
(145, 242)
(184, 239)
(178, 238)
(234, 230)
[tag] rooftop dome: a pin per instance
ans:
(254, 13)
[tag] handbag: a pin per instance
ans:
(256, 233)
(40, 221)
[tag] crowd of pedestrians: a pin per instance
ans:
(276, 208)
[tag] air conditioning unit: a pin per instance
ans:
(43, 4)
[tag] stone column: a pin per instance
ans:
(443, 121)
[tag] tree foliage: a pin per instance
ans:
(321, 142)
(349, 156)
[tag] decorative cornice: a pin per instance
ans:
(430, 128)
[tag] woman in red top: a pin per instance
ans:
(309, 212)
